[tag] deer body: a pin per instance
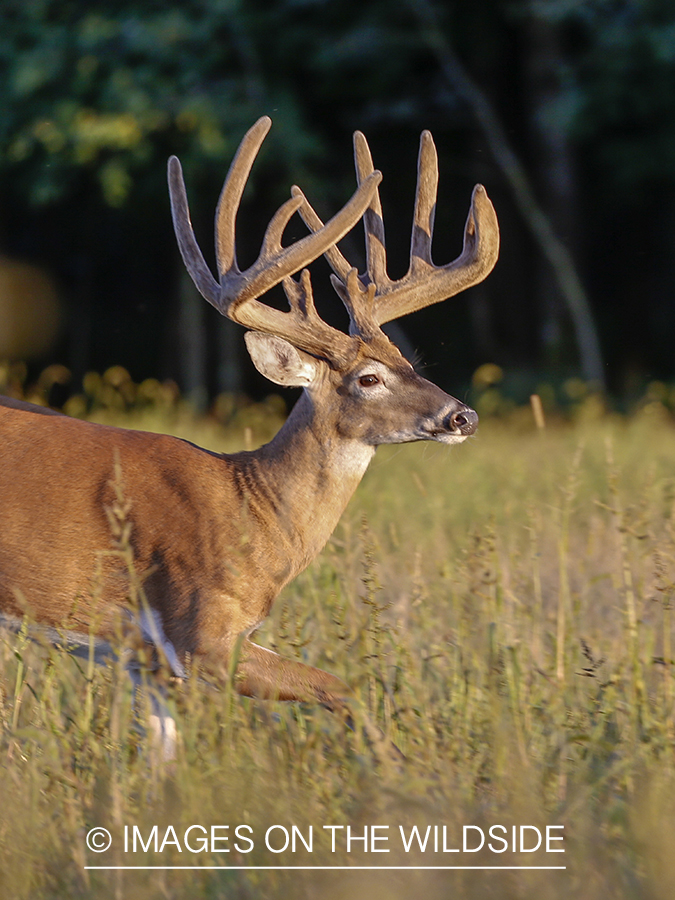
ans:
(215, 537)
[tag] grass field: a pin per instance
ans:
(504, 610)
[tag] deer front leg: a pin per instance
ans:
(264, 674)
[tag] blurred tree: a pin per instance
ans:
(602, 123)
(618, 105)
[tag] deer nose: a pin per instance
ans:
(464, 420)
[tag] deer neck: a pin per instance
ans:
(310, 472)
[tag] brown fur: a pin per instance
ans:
(215, 537)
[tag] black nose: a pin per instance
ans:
(464, 420)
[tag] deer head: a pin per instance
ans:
(363, 387)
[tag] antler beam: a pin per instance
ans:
(235, 293)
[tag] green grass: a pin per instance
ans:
(503, 610)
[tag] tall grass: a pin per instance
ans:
(504, 611)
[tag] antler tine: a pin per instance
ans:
(194, 261)
(425, 203)
(334, 257)
(230, 196)
(376, 254)
(376, 262)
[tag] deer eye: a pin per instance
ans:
(368, 380)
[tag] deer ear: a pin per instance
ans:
(280, 361)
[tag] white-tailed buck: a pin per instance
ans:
(218, 536)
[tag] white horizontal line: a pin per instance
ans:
(340, 868)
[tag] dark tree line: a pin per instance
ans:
(564, 109)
